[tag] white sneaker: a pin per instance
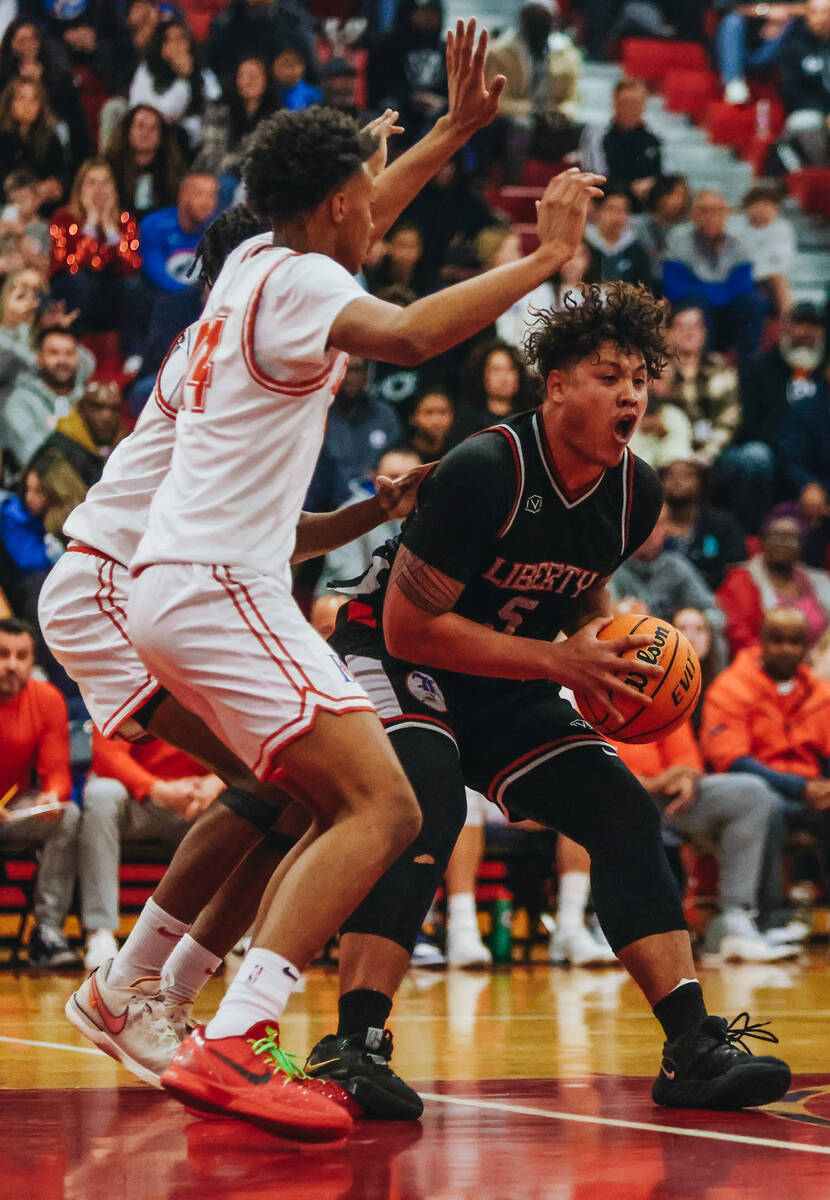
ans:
(465, 947)
(736, 92)
(793, 931)
(100, 946)
(128, 1023)
(579, 949)
(742, 941)
(425, 954)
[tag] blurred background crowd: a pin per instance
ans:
(123, 124)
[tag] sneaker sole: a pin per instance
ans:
(376, 1102)
(742, 1087)
(201, 1096)
(100, 1038)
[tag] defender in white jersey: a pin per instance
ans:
(210, 606)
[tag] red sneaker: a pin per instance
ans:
(250, 1078)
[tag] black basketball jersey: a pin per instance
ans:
(495, 516)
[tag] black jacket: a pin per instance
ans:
(767, 392)
(804, 66)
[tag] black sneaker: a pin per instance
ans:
(48, 949)
(711, 1068)
(362, 1069)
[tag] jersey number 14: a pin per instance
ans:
(200, 363)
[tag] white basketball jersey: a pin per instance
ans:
(257, 387)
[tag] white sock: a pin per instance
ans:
(187, 970)
(574, 887)
(259, 992)
(461, 909)
(148, 947)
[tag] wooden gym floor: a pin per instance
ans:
(536, 1082)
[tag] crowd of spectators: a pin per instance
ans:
(122, 132)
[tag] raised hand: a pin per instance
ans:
(472, 101)
(562, 212)
(383, 127)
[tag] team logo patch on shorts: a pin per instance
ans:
(426, 690)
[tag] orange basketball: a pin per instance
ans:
(673, 697)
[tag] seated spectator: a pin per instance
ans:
(626, 151)
(768, 715)
(339, 85)
(259, 29)
(694, 625)
(91, 34)
(496, 383)
(23, 531)
(448, 208)
(35, 735)
(707, 267)
(29, 138)
(360, 427)
(616, 252)
(72, 458)
(805, 86)
(407, 71)
(20, 297)
(499, 244)
(747, 43)
(804, 455)
(774, 578)
(134, 791)
(667, 205)
(228, 125)
(431, 424)
(735, 814)
(769, 240)
(169, 237)
(664, 582)
(39, 399)
(24, 236)
(789, 371)
(289, 70)
(402, 262)
(712, 540)
(26, 55)
(95, 249)
(538, 106)
(146, 160)
(703, 384)
(141, 19)
(664, 434)
(173, 81)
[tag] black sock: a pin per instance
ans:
(682, 1010)
(362, 1010)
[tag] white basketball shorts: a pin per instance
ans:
(233, 647)
(83, 617)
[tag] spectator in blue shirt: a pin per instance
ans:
(170, 236)
(708, 268)
(360, 428)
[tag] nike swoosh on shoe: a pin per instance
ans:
(112, 1023)
(266, 1077)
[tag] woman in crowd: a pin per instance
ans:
(695, 625)
(496, 383)
(703, 385)
(226, 126)
(146, 161)
(95, 246)
(29, 137)
(431, 425)
(775, 578)
(20, 298)
(173, 81)
(498, 244)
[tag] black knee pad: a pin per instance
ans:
(281, 843)
(397, 904)
(251, 808)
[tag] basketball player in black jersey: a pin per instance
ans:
(451, 630)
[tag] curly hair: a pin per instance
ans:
(626, 314)
(234, 226)
(295, 159)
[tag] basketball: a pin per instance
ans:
(673, 697)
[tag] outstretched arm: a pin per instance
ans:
(472, 105)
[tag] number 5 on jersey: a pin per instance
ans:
(200, 363)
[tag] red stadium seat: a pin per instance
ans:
(737, 125)
(538, 172)
(811, 187)
(651, 59)
(527, 236)
(517, 203)
(690, 92)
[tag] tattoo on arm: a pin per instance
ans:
(427, 588)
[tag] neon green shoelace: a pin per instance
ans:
(281, 1059)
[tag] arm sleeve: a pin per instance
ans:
(783, 781)
(301, 299)
(113, 760)
(646, 502)
(463, 505)
(53, 747)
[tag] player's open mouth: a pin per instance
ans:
(625, 427)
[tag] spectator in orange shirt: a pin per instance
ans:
(34, 770)
(768, 714)
(146, 791)
(733, 813)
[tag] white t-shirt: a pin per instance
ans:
(771, 250)
(258, 385)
